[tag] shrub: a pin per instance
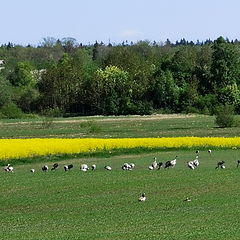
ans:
(225, 116)
(11, 110)
(206, 104)
(91, 126)
(191, 109)
(52, 112)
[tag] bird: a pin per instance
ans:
(238, 162)
(196, 162)
(132, 165)
(190, 164)
(154, 164)
(187, 200)
(160, 165)
(220, 164)
(45, 168)
(150, 167)
(108, 168)
(55, 166)
(84, 167)
(94, 167)
(126, 166)
(67, 167)
(171, 163)
(142, 198)
(197, 151)
(32, 170)
(210, 151)
(70, 166)
(8, 168)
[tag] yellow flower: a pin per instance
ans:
(22, 148)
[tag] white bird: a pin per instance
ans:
(94, 167)
(84, 167)
(174, 161)
(108, 168)
(187, 200)
(6, 168)
(126, 166)
(154, 164)
(142, 198)
(10, 169)
(209, 151)
(196, 162)
(132, 165)
(32, 170)
(190, 164)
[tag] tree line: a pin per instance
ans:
(63, 77)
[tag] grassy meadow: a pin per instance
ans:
(117, 127)
(104, 204)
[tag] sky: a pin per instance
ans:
(29, 21)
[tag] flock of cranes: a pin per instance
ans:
(193, 164)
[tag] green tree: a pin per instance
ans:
(5, 92)
(58, 85)
(111, 92)
(183, 65)
(203, 69)
(165, 92)
(22, 75)
(66, 85)
(229, 95)
(225, 64)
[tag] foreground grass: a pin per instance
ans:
(103, 205)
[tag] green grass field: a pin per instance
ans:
(104, 204)
(117, 127)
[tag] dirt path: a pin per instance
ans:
(112, 119)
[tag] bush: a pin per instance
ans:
(52, 112)
(11, 110)
(225, 116)
(91, 126)
(191, 109)
(206, 104)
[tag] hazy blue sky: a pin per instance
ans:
(29, 21)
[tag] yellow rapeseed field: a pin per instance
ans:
(22, 148)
